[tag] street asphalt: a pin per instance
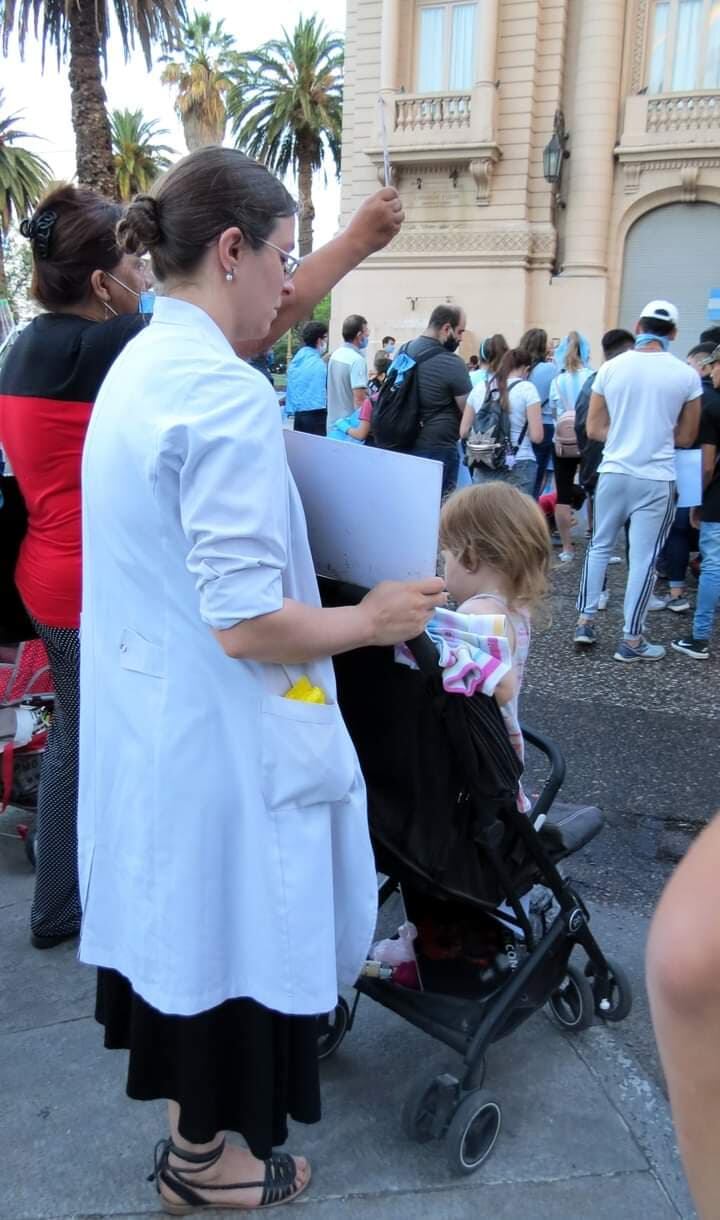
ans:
(586, 1126)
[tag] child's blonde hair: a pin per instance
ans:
(495, 525)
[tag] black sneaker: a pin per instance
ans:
(700, 649)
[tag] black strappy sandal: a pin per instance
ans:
(278, 1185)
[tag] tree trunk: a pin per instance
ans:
(199, 134)
(89, 116)
(306, 210)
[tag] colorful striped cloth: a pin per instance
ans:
(473, 649)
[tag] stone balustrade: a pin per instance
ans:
(432, 112)
(683, 112)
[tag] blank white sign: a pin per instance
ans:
(372, 514)
(688, 472)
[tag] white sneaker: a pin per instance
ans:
(614, 559)
(603, 600)
(566, 557)
(657, 603)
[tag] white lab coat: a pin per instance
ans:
(223, 842)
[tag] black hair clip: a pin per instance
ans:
(38, 230)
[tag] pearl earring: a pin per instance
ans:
(229, 276)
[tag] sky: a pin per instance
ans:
(44, 98)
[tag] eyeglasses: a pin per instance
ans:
(289, 262)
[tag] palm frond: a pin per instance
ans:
(144, 21)
(286, 101)
(203, 73)
(138, 156)
(24, 176)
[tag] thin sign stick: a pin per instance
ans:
(384, 138)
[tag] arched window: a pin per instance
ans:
(685, 46)
(446, 41)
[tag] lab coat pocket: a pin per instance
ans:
(307, 755)
(141, 655)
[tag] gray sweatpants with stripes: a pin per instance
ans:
(649, 506)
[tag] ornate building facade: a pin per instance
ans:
(468, 96)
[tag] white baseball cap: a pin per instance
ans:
(662, 311)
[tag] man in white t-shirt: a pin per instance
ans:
(347, 371)
(644, 405)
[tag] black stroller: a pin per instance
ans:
(442, 781)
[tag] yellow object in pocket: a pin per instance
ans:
(304, 692)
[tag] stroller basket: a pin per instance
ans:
(442, 781)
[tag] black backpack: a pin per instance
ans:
(591, 452)
(489, 444)
(396, 414)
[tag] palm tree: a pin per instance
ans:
(80, 29)
(203, 79)
(286, 108)
(137, 155)
(24, 178)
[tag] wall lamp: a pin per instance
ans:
(556, 151)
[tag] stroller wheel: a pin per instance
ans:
(332, 1029)
(473, 1132)
(419, 1110)
(620, 1000)
(573, 1004)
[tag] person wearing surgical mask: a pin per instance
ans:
(91, 293)
(389, 345)
(443, 386)
(306, 398)
(347, 371)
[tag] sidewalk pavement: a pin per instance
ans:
(586, 1132)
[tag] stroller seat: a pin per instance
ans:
(570, 827)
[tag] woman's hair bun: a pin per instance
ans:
(139, 230)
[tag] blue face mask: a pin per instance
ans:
(646, 339)
(363, 343)
(390, 348)
(146, 300)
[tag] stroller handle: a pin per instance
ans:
(558, 768)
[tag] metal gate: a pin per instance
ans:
(673, 253)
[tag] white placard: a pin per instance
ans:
(372, 514)
(688, 472)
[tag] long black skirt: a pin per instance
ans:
(238, 1067)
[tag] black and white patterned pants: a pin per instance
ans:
(56, 904)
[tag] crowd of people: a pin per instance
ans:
(152, 468)
(547, 422)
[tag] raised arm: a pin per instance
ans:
(375, 223)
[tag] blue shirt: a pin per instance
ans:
(542, 377)
(306, 382)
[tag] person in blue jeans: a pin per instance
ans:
(698, 644)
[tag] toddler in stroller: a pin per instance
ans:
(454, 832)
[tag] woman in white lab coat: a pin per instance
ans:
(226, 875)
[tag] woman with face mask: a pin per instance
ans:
(92, 292)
